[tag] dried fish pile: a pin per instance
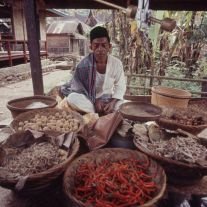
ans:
(34, 159)
(185, 149)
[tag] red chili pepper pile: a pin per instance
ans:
(122, 183)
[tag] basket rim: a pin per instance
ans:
(9, 106)
(171, 95)
(197, 99)
(171, 124)
(122, 150)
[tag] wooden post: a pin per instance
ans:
(46, 49)
(9, 53)
(204, 88)
(24, 52)
(34, 47)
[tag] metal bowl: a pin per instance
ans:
(117, 141)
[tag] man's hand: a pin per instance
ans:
(109, 107)
(99, 105)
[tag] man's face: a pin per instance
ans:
(100, 47)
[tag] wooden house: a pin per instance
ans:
(13, 31)
(67, 37)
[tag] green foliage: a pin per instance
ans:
(178, 70)
(202, 70)
(199, 33)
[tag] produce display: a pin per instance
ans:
(34, 159)
(174, 146)
(120, 183)
(60, 121)
(198, 105)
(184, 116)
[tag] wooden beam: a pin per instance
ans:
(33, 43)
(204, 80)
(178, 5)
(190, 5)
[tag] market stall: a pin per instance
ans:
(53, 143)
(166, 159)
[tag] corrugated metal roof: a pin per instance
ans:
(55, 13)
(73, 28)
(65, 27)
(68, 27)
(86, 28)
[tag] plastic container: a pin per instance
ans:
(170, 97)
(21, 105)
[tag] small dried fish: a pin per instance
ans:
(34, 159)
(184, 149)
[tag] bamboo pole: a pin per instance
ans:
(115, 6)
(166, 78)
(148, 88)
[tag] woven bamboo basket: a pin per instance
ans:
(35, 183)
(198, 104)
(19, 106)
(179, 173)
(49, 111)
(171, 124)
(115, 154)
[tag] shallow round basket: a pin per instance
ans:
(140, 111)
(173, 125)
(36, 183)
(170, 116)
(198, 104)
(21, 105)
(115, 154)
(46, 112)
(177, 172)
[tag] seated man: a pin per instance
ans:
(98, 84)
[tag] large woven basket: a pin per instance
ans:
(177, 172)
(35, 183)
(114, 154)
(31, 114)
